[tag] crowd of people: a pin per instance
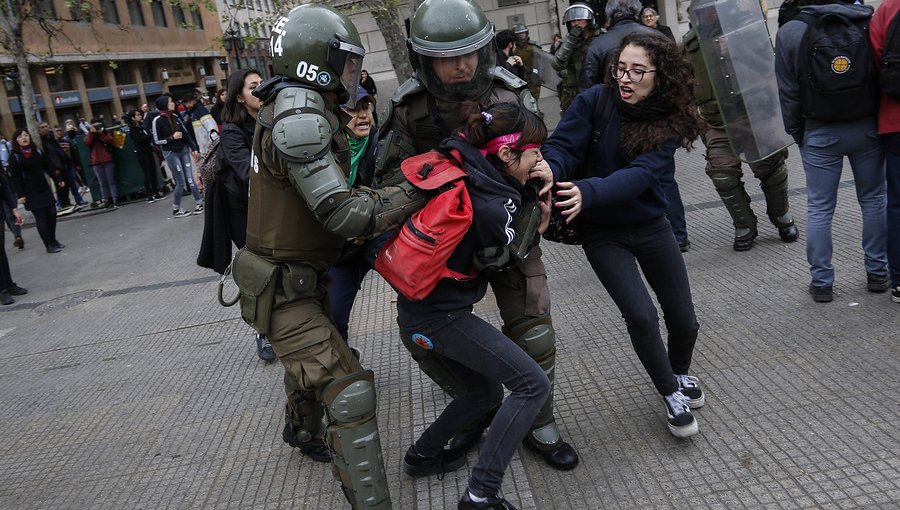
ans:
(311, 216)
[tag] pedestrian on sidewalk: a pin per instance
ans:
(227, 187)
(99, 141)
(143, 149)
(30, 170)
(180, 152)
(8, 218)
(814, 97)
(621, 206)
(8, 287)
(888, 15)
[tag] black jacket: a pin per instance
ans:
(164, 126)
(143, 140)
(603, 48)
(495, 199)
(29, 176)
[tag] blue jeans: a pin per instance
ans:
(181, 165)
(823, 154)
(892, 172)
(484, 360)
(346, 276)
(614, 253)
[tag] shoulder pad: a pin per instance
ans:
(407, 88)
(302, 125)
(508, 79)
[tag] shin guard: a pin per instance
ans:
(353, 438)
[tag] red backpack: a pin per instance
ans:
(415, 260)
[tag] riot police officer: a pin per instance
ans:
(525, 49)
(300, 212)
(569, 58)
(453, 53)
(722, 164)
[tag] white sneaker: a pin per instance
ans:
(180, 213)
(198, 209)
(678, 415)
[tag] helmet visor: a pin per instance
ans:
(346, 58)
(578, 12)
(460, 78)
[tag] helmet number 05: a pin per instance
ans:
(308, 71)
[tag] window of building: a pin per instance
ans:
(146, 69)
(136, 13)
(178, 16)
(198, 19)
(122, 74)
(79, 14)
(159, 16)
(44, 8)
(509, 3)
(110, 11)
(94, 74)
(58, 79)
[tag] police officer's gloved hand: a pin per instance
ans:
(575, 33)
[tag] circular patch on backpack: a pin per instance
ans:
(323, 79)
(422, 341)
(840, 64)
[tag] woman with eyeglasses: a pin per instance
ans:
(650, 18)
(620, 205)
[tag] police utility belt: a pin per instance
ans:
(258, 279)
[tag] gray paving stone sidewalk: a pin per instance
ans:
(124, 385)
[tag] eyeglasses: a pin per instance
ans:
(634, 75)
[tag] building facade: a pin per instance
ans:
(112, 58)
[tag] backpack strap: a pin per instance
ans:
(602, 112)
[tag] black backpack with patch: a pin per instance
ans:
(890, 60)
(838, 77)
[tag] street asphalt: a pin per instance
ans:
(125, 385)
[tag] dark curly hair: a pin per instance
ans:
(673, 90)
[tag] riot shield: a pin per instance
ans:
(734, 40)
(543, 67)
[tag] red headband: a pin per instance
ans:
(494, 145)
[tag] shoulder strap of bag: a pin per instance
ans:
(602, 112)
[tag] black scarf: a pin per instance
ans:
(648, 110)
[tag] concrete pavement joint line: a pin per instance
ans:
(118, 292)
(111, 340)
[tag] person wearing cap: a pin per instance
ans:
(650, 18)
(569, 59)
(525, 50)
(348, 272)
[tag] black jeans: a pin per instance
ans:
(148, 166)
(5, 276)
(45, 221)
(615, 252)
(484, 360)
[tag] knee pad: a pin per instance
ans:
(725, 181)
(354, 441)
(535, 336)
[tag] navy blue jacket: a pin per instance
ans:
(495, 199)
(615, 191)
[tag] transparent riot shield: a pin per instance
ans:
(542, 63)
(740, 60)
